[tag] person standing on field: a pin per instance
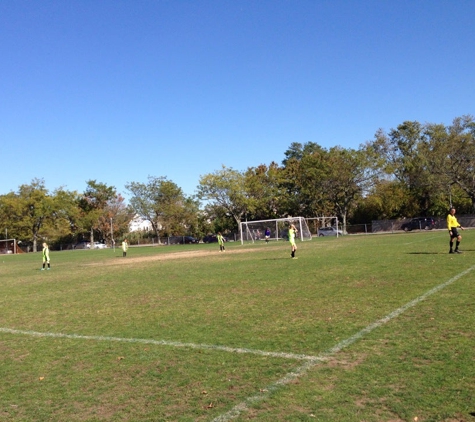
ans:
(45, 256)
(221, 242)
(453, 226)
(267, 234)
(125, 246)
(293, 245)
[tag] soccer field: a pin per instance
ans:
(359, 328)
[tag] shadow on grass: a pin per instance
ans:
(426, 253)
(437, 253)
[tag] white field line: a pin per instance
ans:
(163, 343)
(303, 369)
(310, 361)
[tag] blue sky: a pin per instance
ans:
(116, 91)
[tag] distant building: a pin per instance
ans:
(139, 224)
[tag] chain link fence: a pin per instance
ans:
(392, 226)
(376, 226)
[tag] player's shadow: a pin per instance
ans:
(424, 253)
(436, 253)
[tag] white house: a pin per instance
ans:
(139, 224)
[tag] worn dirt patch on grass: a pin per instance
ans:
(131, 260)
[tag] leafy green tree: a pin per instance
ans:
(226, 188)
(178, 212)
(164, 204)
(404, 150)
(114, 222)
(297, 151)
(304, 184)
(214, 219)
(263, 185)
(93, 205)
(64, 215)
(382, 202)
(33, 214)
(323, 182)
(349, 174)
(451, 154)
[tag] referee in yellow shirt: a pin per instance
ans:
(453, 226)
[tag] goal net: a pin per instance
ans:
(252, 231)
(8, 246)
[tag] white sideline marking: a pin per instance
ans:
(311, 361)
(163, 343)
(303, 369)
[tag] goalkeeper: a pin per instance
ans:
(267, 234)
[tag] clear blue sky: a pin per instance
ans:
(117, 90)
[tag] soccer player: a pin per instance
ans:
(125, 246)
(453, 225)
(45, 256)
(293, 246)
(221, 242)
(267, 234)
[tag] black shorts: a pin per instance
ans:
(455, 233)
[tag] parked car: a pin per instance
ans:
(419, 223)
(97, 245)
(81, 245)
(212, 238)
(328, 231)
(188, 240)
(180, 240)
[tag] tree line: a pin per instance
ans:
(413, 170)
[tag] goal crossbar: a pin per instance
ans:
(278, 228)
(8, 246)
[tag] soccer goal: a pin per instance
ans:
(252, 231)
(8, 246)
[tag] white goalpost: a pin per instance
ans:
(252, 231)
(8, 246)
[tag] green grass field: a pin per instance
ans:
(363, 328)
